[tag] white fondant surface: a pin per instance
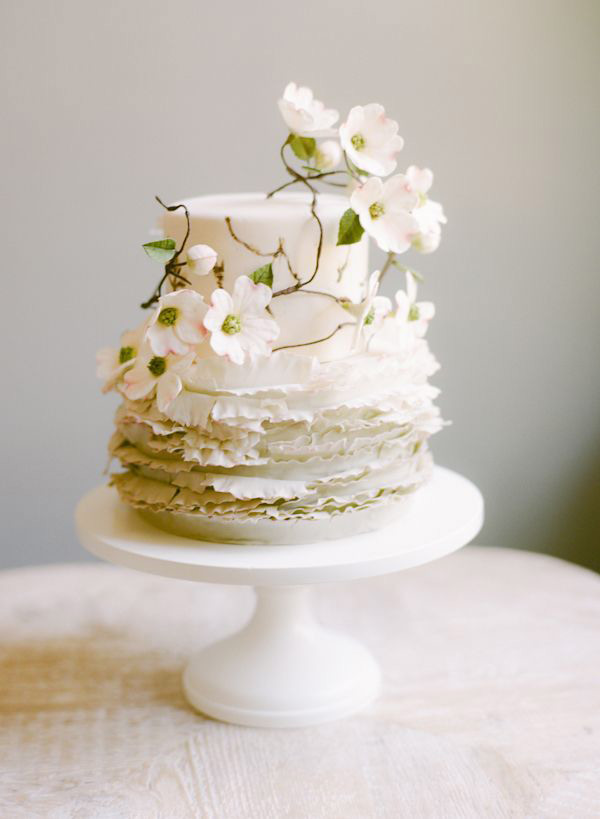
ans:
(264, 224)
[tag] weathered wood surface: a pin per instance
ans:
(491, 703)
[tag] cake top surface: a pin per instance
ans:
(259, 205)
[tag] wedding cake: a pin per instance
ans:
(270, 395)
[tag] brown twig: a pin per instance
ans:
(319, 340)
(172, 266)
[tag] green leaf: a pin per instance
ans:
(303, 147)
(162, 250)
(264, 275)
(350, 230)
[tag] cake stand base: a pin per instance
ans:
(283, 669)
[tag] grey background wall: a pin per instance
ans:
(107, 103)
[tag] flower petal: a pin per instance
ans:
(419, 179)
(169, 387)
(164, 340)
(138, 382)
(366, 194)
(249, 297)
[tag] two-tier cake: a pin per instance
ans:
(270, 395)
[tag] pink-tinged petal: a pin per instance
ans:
(138, 382)
(354, 120)
(401, 229)
(303, 114)
(297, 121)
(426, 310)
(107, 361)
(214, 318)
(222, 307)
(221, 300)
(133, 338)
(186, 300)
(428, 242)
(364, 195)
(181, 364)
(221, 342)
(397, 195)
(419, 179)
(236, 353)
(164, 340)
(169, 387)
(373, 164)
(263, 328)
(249, 297)
(191, 331)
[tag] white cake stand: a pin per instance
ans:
(283, 669)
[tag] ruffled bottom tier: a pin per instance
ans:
(301, 452)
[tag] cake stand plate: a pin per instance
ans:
(283, 669)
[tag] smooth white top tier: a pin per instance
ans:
(262, 224)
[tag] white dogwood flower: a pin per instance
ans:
(410, 312)
(376, 308)
(161, 372)
(112, 362)
(176, 324)
(430, 217)
(370, 312)
(303, 114)
(384, 210)
(371, 140)
(201, 259)
(328, 155)
(419, 180)
(238, 323)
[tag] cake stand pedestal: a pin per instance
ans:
(283, 669)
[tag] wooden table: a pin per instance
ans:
(490, 708)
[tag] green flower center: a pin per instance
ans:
(126, 354)
(376, 210)
(231, 325)
(358, 142)
(168, 316)
(370, 316)
(413, 313)
(157, 365)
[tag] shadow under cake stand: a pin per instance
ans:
(283, 669)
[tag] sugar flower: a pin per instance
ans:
(201, 259)
(328, 155)
(163, 373)
(430, 217)
(429, 214)
(238, 323)
(112, 362)
(384, 210)
(303, 114)
(419, 180)
(371, 311)
(371, 140)
(409, 311)
(379, 308)
(176, 324)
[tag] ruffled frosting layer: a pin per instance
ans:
(284, 439)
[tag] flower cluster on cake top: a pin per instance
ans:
(394, 209)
